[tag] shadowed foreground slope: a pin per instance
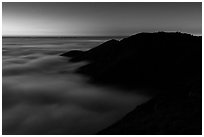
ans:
(167, 62)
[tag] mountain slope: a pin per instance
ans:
(170, 63)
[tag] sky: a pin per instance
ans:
(99, 19)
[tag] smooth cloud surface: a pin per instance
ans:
(42, 95)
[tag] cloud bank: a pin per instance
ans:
(42, 95)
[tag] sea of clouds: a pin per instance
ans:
(42, 95)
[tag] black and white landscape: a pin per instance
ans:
(102, 68)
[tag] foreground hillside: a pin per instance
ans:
(169, 63)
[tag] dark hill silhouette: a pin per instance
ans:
(73, 53)
(168, 62)
(149, 59)
(95, 54)
(163, 115)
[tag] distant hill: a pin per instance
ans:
(167, 62)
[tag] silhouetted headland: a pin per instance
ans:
(170, 63)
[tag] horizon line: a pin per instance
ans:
(195, 34)
(64, 36)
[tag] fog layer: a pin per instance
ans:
(42, 95)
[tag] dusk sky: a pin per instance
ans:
(99, 19)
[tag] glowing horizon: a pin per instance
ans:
(99, 19)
